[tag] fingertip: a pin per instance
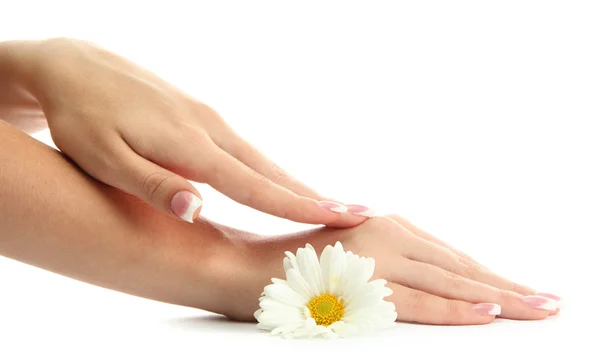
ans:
(186, 205)
(333, 206)
(484, 320)
(316, 212)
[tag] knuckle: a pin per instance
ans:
(191, 134)
(505, 297)
(515, 287)
(415, 305)
(278, 173)
(468, 267)
(205, 113)
(452, 280)
(152, 182)
(381, 224)
(451, 312)
(403, 221)
(259, 182)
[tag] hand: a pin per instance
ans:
(130, 129)
(432, 282)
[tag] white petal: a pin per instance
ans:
(330, 335)
(307, 313)
(287, 264)
(320, 331)
(284, 293)
(378, 282)
(269, 320)
(270, 304)
(375, 316)
(292, 260)
(302, 332)
(290, 327)
(310, 269)
(364, 296)
(262, 326)
(306, 330)
(310, 323)
(369, 265)
(352, 277)
(344, 329)
(337, 267)
(298, 284)
(325, 262)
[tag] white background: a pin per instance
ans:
(476, 120)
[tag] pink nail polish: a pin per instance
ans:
(332, 206)
(488, 309)
(185, 205)
(360, 210)
(540, 302)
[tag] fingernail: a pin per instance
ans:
(540, 303)
(332, 206)
(488, 309)
(551, 296)
(360, 210)
(185, 204)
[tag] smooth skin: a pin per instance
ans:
(99, 210)
(130, 129)
(56, 217)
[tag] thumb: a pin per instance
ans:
(159, 187)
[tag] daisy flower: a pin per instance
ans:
(326, 297)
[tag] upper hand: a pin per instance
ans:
(130, 129)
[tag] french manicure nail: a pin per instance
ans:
(332, 206)
(540, 303)
(185, 204)
(488, 309)
(360, 210)
(551, 296)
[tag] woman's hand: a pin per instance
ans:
(55, 217)
(432, 282)
(130, 129)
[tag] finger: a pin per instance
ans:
(244, 185)
(427, 236)
(161, 188)
(246, 153)
(421, 250)
(436, 281)
(421, 307)
(558, 300)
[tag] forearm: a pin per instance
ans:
(17, 105)
(55, 217)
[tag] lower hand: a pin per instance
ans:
(432, 282)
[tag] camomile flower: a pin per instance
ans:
(326, 297)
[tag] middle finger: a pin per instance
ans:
(421, 250)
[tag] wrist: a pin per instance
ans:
(29, 65)
(16, 63)
(18, 105)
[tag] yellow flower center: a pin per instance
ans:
(326, 309)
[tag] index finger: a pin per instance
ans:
(246, 186)
(247, 154)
